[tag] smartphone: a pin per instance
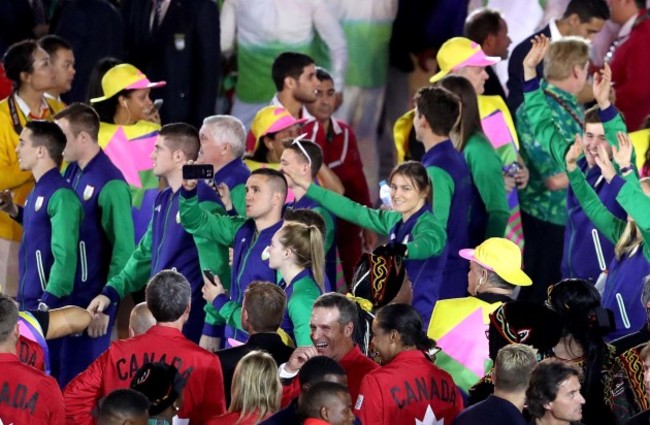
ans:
(157, 104)
(208, 273)
(198, 171)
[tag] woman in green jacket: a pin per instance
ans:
(296, 252)
(410, 226)
(489, 211)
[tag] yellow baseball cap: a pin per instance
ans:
(124, 77)
(502, 256)
(459, 52)
(271, 119)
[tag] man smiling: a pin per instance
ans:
(332, 330)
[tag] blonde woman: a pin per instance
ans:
(631, 260)
(256, 391)
(296, 252)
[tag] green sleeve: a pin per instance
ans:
(376, 220)
(212, 316)
(637, 204)
(443, 190)
(66, 213)
(485, 167)
(231, 314)
(117, 222)
(429, 238)
(198, 222)
(300, 304)
(606, 223)
(212, 255)
(238, 197)
(330, 231)
(612, 127)
(137, 269)
(542, 125)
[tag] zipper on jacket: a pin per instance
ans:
(39, 267)
(83, 258)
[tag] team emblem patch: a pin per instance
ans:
(88, 192)
(359, 402)
(39, 203)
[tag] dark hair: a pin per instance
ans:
(288, 64)
(53, 43)
(277, 180)
(124, 403)
(305, 216)
(18, 58)
(346, 307)
(592, 116)
(81, 117)
(105, 109)
(49, 135)
(578, 301)
(406, 320)
(588, 10)
(323, 75)
(439, 107)
(8, 317)
(318, 396)
(481, 23)
(161, 383)
(544, 384)
(316, 368)
(313, 150)
(265, 303)
(182, 136)
(417, 173)
(470, 120)
(168, 295)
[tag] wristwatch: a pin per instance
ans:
(43, 307)
(624, 170)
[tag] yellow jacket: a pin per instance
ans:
(11, 177)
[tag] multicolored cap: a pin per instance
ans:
(459, 52)
(271, 119)
(501, 256)
(124, 77)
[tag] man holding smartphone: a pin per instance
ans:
(266, 191)
(166, 244)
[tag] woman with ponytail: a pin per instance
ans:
(296, 252)
(409, 388)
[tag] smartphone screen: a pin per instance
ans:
(208, 273)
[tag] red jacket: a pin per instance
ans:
(357, 365)
(27, 395)
(30, 353)
(406, 391)
(234, 419)
(341, 155)
(203, 394)
(629, 67)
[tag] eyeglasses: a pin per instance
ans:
(296, 142)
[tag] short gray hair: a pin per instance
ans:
(228, 129)
(168, 295)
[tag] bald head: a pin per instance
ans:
(140, 320)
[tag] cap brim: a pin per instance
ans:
(439, 76)
(135, 86)
(514, 277)
(284, 126)
(481, 61)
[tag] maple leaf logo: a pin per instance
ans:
(430, 418)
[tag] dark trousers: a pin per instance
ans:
(542, 256)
